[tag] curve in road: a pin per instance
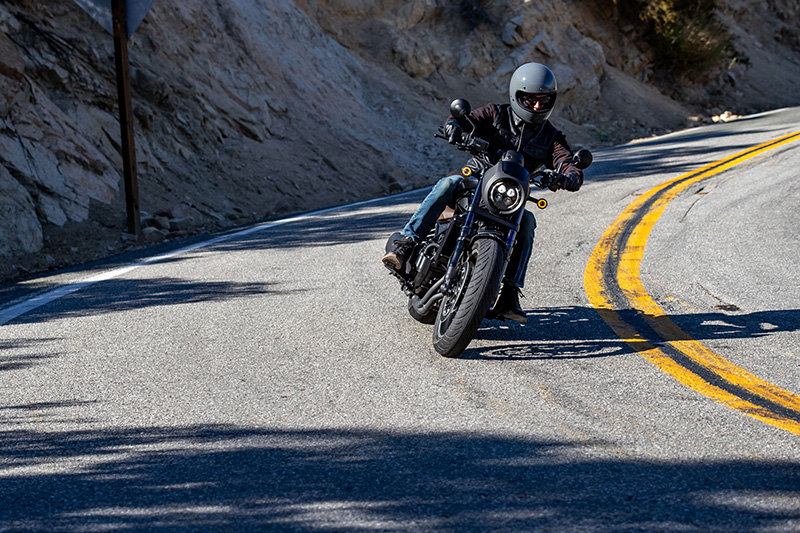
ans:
(614, 287)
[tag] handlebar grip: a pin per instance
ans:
(546, 179)
(461, 141)
(556, 181)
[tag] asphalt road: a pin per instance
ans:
(274, 379)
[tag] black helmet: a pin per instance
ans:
(533, 84)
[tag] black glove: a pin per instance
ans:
(452, 131)
(572, 181)
(555, 182)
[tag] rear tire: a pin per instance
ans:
(461, 314)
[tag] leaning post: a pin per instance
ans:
(128, 149)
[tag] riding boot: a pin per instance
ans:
(398, 251)
(508, 306)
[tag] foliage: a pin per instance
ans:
(686, 36)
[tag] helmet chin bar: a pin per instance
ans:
(536, 118)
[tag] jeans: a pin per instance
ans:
(424, 219)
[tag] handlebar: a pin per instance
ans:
(545, 178)
(474, 145)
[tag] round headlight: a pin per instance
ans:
(505, 196)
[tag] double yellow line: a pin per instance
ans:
(614, 287)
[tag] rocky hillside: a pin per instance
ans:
(253, 109)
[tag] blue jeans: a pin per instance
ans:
(423, 221)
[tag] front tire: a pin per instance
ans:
(460, 315)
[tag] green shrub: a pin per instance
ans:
(687, 38)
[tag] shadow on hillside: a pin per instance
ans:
(233, 478)
(121, 294)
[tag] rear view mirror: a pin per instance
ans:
(582, 159)
(460, 108)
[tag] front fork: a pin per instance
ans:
(463, 237)
(452, 266)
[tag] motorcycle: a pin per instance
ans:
(454, 276)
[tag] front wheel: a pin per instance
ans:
(460, 314)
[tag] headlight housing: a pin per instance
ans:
(505, 196)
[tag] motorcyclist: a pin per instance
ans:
(521, 125)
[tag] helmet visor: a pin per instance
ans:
(535, 102)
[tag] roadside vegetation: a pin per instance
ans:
(688, 41)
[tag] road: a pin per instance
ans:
(273, 378)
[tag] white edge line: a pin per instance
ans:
(14, 311)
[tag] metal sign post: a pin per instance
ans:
(121, 21)
(128, 148)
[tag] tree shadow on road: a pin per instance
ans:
(649, 157)
(578, 332)
(347, 225)
(235, 478)
(118, 295)
(19, 361)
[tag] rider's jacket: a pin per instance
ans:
(541, 145)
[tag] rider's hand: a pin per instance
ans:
(555, 182)
(571, 181)
(452, 131)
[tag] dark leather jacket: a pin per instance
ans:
(540, 146)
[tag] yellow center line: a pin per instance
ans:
(613, 283)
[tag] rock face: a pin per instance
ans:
(50, 171)
(252, 109)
